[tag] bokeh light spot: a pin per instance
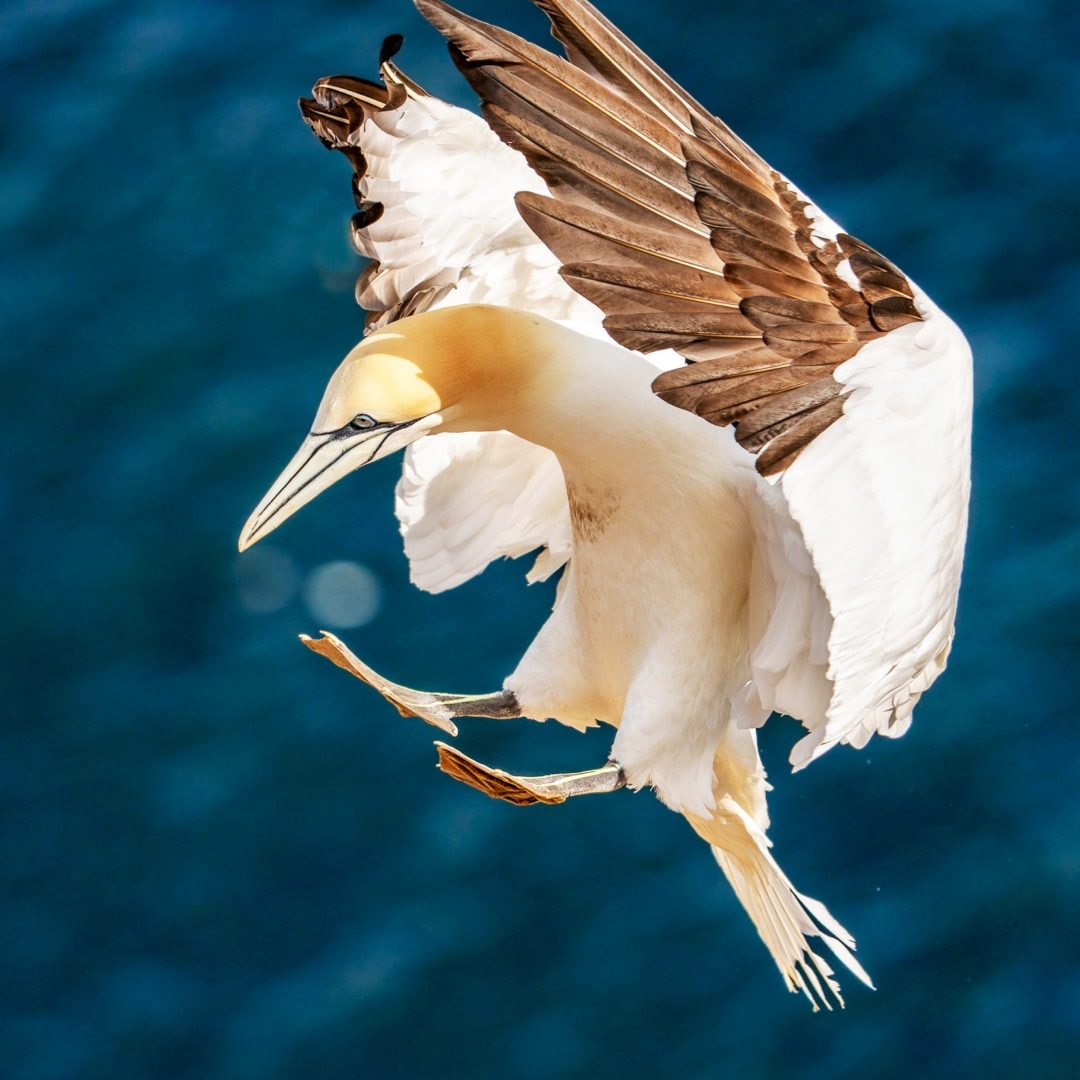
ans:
(343, 594)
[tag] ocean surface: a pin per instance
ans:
(220, 857)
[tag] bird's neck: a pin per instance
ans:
(586, 399)
(591, 403)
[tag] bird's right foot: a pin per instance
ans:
(439, 710)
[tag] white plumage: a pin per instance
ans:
(699, 595)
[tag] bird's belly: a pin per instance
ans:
(581, 664)
(655, 590)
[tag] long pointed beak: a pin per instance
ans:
(322, 459)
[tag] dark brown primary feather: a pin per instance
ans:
(337, 110)
(593, 44)
(678, 231)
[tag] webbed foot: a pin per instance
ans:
(528, 790)
(436, 709)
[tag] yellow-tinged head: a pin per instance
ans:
(459, 369)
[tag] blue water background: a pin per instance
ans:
(222, 858)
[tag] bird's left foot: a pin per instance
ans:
(436, 709)
(528, 790)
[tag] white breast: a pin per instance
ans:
(649, 630)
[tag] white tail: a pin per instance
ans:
(784, 918)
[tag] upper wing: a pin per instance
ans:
(434, 190)
(840, 377)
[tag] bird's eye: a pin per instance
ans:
(363, 422)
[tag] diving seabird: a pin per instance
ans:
(602, 327)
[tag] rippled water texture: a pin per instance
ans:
(222, 857)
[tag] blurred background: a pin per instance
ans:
(223, 858)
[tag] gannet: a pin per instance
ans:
(603, 327)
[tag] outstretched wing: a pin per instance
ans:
(434, 190)
(841, 378)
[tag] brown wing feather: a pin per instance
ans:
(678, 231)
(579, 234)
(625, 288)
(593, 173)
(594, 45)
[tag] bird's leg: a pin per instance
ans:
(439, 710)
(528, 790)
(442, 709)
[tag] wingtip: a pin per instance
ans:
(455, 26)
(435, 11)
(391, 46)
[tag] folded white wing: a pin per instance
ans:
(464, 500)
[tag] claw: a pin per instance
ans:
(528, 790)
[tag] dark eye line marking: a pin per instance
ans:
(349, 432)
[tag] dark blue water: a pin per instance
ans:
(223, 858)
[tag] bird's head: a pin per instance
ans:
(455, 369)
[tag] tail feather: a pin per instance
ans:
(784, 917)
